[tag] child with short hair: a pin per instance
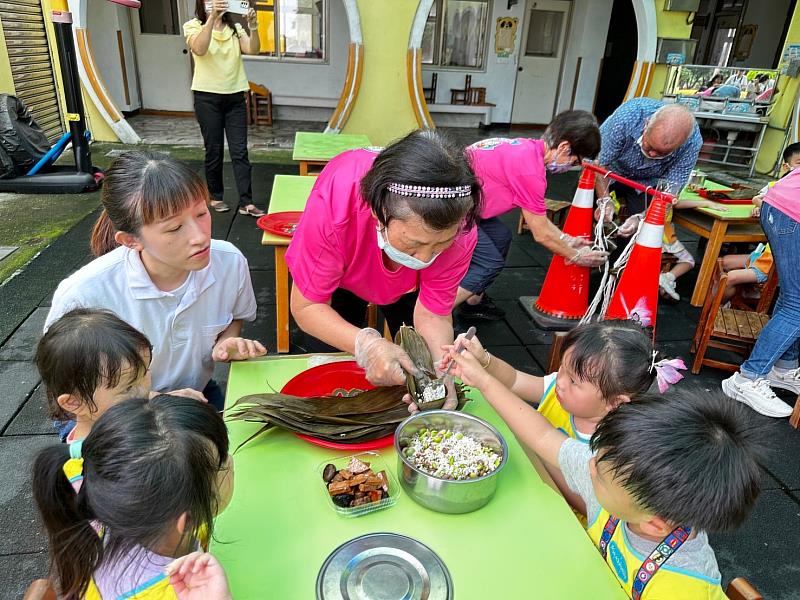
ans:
(160, 271)
(89, 360)
(603, 364)
(658, 475)
(153, 473)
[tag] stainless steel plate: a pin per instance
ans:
(384, 566)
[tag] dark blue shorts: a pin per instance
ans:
(489, 257)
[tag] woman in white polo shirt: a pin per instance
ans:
(159, 270)
(219, 84)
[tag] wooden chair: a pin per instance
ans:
(729, 328)
(741, 589)
(40, 589)
(554, 359)
(430, 92)
(556, 212)
(259, 105)
(462, 96)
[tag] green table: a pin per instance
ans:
(316, 149)
(278, 529)
(289, 193)
(718, 226)
(686, 194)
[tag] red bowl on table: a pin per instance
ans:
(334, 379)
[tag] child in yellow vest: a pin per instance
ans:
(154, 474)
(603, 365)
(658, 475)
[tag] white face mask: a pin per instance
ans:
(646, 155)
(401, 258)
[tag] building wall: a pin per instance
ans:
(6, 80)
(769, 16)
(671, 24)
(104, 20)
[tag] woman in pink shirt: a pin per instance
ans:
(395, 228)
(512, 173)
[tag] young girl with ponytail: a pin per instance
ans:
(141, 490)
(159, 270)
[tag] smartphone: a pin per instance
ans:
(237, 7)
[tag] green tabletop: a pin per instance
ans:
(324, 146)
(735, 212)
(289, 193)
(279, 529)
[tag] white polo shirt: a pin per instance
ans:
(182, 325)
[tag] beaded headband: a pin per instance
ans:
(421, 191)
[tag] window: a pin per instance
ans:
(299, 25)
(455, 34)
(159, 18)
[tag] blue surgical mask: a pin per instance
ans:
(556, 167)
(401, 258)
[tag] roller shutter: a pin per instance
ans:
(31, 65)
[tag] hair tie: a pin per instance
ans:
(666, 371)
(424, 191)
(73, 468)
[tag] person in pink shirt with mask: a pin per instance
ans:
(395, 228)
(513, 174)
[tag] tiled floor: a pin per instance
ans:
(764, 549)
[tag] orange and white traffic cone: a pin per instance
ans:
(636, 295)
(565, 292)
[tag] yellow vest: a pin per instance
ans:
(668, 583)
(551, 409)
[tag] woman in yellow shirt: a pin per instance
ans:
(219, 85)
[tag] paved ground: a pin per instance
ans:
(764, 550)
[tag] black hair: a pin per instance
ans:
(578, 128)
(145, 463)
(140, 188)
(615, 355)
(424, 157)
(790, 151)
(85, 349)
(202, 15)
(690, 458)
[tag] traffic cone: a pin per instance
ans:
(565, 292)
(636, 296)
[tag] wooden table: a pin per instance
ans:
(278, 529)
(289, 192)
(718, 227)
(314, 150)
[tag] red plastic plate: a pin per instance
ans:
(333, 379)
(280, 223)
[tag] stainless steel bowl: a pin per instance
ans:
(447, 495)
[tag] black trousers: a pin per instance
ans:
(221, 116)
(354, 310)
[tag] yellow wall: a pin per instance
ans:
(781, 112)
(6, 80)
(94, 121)
(671, 24)
(382, 109)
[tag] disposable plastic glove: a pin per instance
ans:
(586, 257)
(629, 227)
(383, 361)
(607, 210)
(574, 242)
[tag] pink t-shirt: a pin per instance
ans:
(336, 246)
(511, 172)
(785, 195)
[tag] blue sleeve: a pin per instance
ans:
(612, 135)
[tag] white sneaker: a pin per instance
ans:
(666, 281)
(786, 379)
(756, 394)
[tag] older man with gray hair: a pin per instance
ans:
(647, 140)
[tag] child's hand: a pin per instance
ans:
(236, 348)
(756, 212)
(469, 369)
(758, 200)
(715, 206)
(198, 576)
(473, 346)
(189, 393)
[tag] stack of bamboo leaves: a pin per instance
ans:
(365, 416)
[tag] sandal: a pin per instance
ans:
(219, 206)
(251, 210)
